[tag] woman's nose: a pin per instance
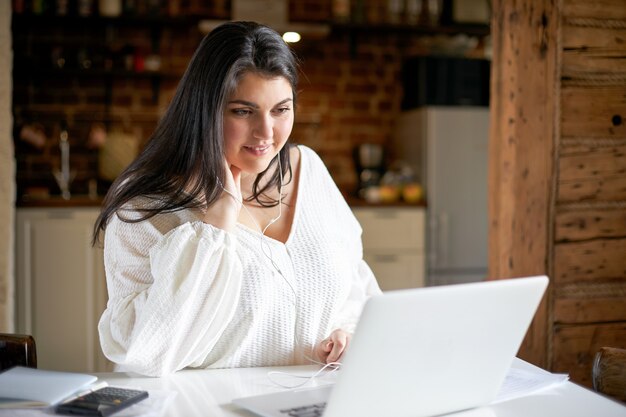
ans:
(264, 128)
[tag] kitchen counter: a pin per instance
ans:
(359, 202)
(86, 201)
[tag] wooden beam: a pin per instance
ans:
(589, 261)
(597, 9)
(590, 224)
(594, 111)
(524, 98)
(597, 48)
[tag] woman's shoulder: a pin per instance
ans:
(314, 172)
(133, 215)
(310, 159)
(136, 208)
(306, 152)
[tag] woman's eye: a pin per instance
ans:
(282, 110)
(241, 112)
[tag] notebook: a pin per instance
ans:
(423, 352)
(27, 387)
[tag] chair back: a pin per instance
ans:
(609, 372)
(17, 349)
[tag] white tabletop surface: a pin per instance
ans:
(208, 393)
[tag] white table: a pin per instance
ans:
(208, 393)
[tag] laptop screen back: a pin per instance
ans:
(434, 350)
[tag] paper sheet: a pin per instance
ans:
(522, 382)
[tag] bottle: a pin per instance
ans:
(341, 10)
(110, 8)
(38, 6)
(62, 7)
(85, 8)
(358, 11)
(434, 11)
(395, 10)
(130, 7)
(19, 6)
(412, 10)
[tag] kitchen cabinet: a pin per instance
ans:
(393, 244)
(60, 287)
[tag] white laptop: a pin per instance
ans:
(422, 352)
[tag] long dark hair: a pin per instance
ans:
(182, 163)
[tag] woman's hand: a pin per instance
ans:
(224, 212)
(330, 349)
(232, 186)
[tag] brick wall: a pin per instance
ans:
(350, 91)
(347, 97)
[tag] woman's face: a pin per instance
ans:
(257, 121)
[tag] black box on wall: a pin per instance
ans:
(445, 81)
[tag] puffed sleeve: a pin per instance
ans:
(170, 296)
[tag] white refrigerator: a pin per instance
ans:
(447, 149)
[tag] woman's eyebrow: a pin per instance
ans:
(254, 105)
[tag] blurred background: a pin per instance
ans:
(104, 71)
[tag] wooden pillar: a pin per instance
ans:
(523, 132)
(7, 175)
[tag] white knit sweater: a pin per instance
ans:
(183, 293)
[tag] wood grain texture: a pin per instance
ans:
(522, 135)
(590, 303)
(589, 224)
(597, 49)
(575, 347)
(594, 111)
(592, 190)
(599, 9)
(589, 260)
(592, 163)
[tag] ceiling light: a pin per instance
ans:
(291, 37)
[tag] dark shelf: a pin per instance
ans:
(32, 20)
(406, 28)
(357, 30)
(20, 71)
(41, 36)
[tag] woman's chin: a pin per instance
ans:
(257, 167)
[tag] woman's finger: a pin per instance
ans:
(339, 340)
(232, 181)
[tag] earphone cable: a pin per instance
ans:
(265, 245)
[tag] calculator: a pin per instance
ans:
(102, 402)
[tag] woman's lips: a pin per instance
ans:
(257, 150)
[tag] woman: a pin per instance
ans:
(224, 245)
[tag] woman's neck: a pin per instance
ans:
(247, 186)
